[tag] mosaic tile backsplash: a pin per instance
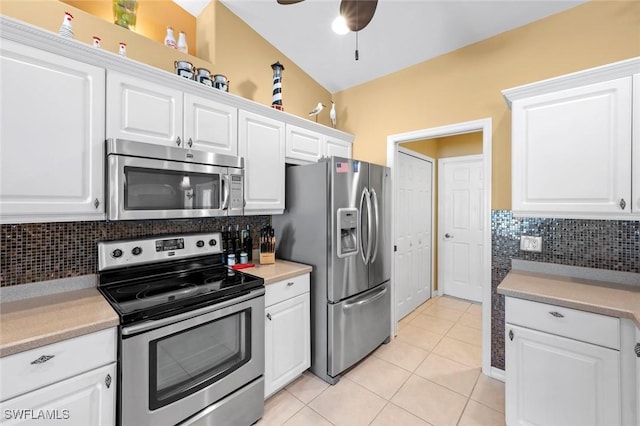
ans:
(602, 244)
(35, 252)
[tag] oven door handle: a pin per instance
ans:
(153, 324)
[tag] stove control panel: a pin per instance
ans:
(116, 254)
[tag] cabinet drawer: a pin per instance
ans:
(286, 289)
(33, 369)
(574, 324)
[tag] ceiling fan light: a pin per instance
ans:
(339, 25)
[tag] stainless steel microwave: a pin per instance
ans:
(147, 181)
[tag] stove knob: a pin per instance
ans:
(200, 243)
(116, 253)
(212, 242)
(136, 251)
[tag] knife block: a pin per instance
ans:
(267, 258)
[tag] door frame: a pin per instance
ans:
(433, 162)
(461, 158)
(483, 125)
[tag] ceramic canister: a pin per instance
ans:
(184, 69)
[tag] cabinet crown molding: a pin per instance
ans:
(31, 35)
(624, 68)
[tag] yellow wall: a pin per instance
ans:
(466, 84)
(226, 45)
(445, 147)
(152, 18)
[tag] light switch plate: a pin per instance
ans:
(529, 243)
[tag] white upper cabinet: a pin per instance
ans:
(304, 146)
(261, 141)
(337, 148)
(635, 150)
(51, 136)
(211, 125)
(571, 150)
(148, 112)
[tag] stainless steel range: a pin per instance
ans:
(191, 346)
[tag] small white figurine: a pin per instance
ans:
(316, 110)
(332, 114)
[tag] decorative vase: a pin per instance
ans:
(181, 45)
(169, 39)
(66, 29)
(124, 13)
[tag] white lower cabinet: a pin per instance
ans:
(86, 399)
(71, 382)
(287, 332)
(637, 353)
(553, 376)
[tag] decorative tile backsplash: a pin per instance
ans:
(602, 244)
(33, 252)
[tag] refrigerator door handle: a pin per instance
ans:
(366, 300)
(365, 254)
(374, 198)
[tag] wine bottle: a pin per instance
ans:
(248, 244)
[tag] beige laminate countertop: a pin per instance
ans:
(281, 270)
(38, 321)
(615, 300)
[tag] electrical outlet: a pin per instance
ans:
(528, 243)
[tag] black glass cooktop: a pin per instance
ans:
(154, 291)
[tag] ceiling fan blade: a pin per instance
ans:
(289, 1)
(358, 13)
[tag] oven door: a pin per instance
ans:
(175, 367)
(144, 188)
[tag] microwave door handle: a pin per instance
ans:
(225, 192)
(376, 214)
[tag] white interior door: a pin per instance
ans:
(414, 218)
(461, 226)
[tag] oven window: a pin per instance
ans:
(192, 359)
(154, 189)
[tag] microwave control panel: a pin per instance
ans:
(236, 193)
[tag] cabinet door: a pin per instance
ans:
(571, 150)
(210, 125)
(635, 150)
(261, 143)
(337, 148)
(86, 399)
(637, 350)
(52, 136)
(552, 380)
(287, 342)
(303, 145)
(143, 111)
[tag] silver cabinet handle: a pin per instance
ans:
(448, 235)
(290, 283)
(42, 359)
(178, 141)
(510, 334)
(107, 381)
(96, 203)
(623, 203)
(556, 314)
(637, 350)
(269, 316)
(190, 143)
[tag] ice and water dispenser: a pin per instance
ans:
(347, 232)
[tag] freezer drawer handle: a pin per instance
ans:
(368, 300)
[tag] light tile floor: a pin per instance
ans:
(430, 374)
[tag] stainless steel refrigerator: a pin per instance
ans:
(337, 219)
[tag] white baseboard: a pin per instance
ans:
(498, 374)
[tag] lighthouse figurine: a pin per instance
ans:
(276, 101)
